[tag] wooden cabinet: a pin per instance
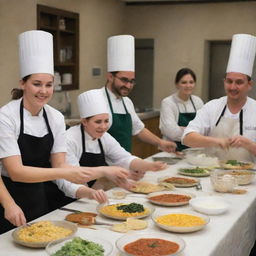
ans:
(64, 26)
(142, 149)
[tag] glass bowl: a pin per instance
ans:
(243, 177)
(132, 237)
(222, 181)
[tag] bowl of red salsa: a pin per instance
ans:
(153, 244)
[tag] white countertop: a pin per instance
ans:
(230, 234)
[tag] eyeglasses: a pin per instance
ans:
(125, 80)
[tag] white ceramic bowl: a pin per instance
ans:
(132, 237)
(55, 246)
(179, 229)
(211, 205)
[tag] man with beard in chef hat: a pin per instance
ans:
(120, 81)
(228, 125)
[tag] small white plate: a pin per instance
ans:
(211, 205)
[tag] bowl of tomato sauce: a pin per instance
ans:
(145, 244)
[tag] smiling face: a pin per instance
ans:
(237, 86)
(122, 83)
(186, 86)
(96, 125)
(38, 90)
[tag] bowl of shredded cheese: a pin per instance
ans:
(180, 222)
(39, 234)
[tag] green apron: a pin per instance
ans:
(121, 128)
(184, 119)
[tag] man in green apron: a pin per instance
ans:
(120, 82)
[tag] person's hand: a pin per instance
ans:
(239, 142)
(136, 175)
(14, 214)
(157, 166)
(167, 146)
(98, 195)
(118, 175)
(223, 143)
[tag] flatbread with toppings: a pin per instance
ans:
(179, 181)
(146, 187)
(237, 165)
(196, 171)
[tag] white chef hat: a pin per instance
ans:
(91, 103)
(36, 53)
(121, 53)
(242, 54)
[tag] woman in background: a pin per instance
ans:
(178, 109)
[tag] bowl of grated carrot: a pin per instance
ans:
(180, 222)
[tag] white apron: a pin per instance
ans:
(227, 127)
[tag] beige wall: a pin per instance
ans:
(99, 19)
(181, 33)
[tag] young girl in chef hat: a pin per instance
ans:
(89, 144)
(32, 139)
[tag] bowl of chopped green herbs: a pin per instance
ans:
(78, 246)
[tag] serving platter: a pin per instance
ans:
(170, 198)
(181, 229)
(110, 210)
(63, 224)
(181, 182)
(194, 172)
(132, 237)
(144, 187)
(236, 165)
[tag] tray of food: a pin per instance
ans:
(179, 181)
(170, 198)
(237, 165)
(124, 210)
(39, 234)
(194, 172)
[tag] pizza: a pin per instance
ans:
(237, 165)
(146, 187)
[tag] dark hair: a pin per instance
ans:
(17, 93)
(182, 72)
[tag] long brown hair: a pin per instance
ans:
(17, 93)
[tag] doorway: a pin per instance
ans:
(142, 93)
(219, 54)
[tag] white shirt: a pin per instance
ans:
(33, 125)
(114, 153)
(171, 106)
(209, 114)
(118, 107)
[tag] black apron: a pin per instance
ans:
(35, 151)
(91, 159)
(121, 128)
(184, 119)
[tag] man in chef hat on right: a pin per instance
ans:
(227, 125)
(124, 121)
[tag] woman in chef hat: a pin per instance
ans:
(89, 144)
(178, 109)
(32, 138)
